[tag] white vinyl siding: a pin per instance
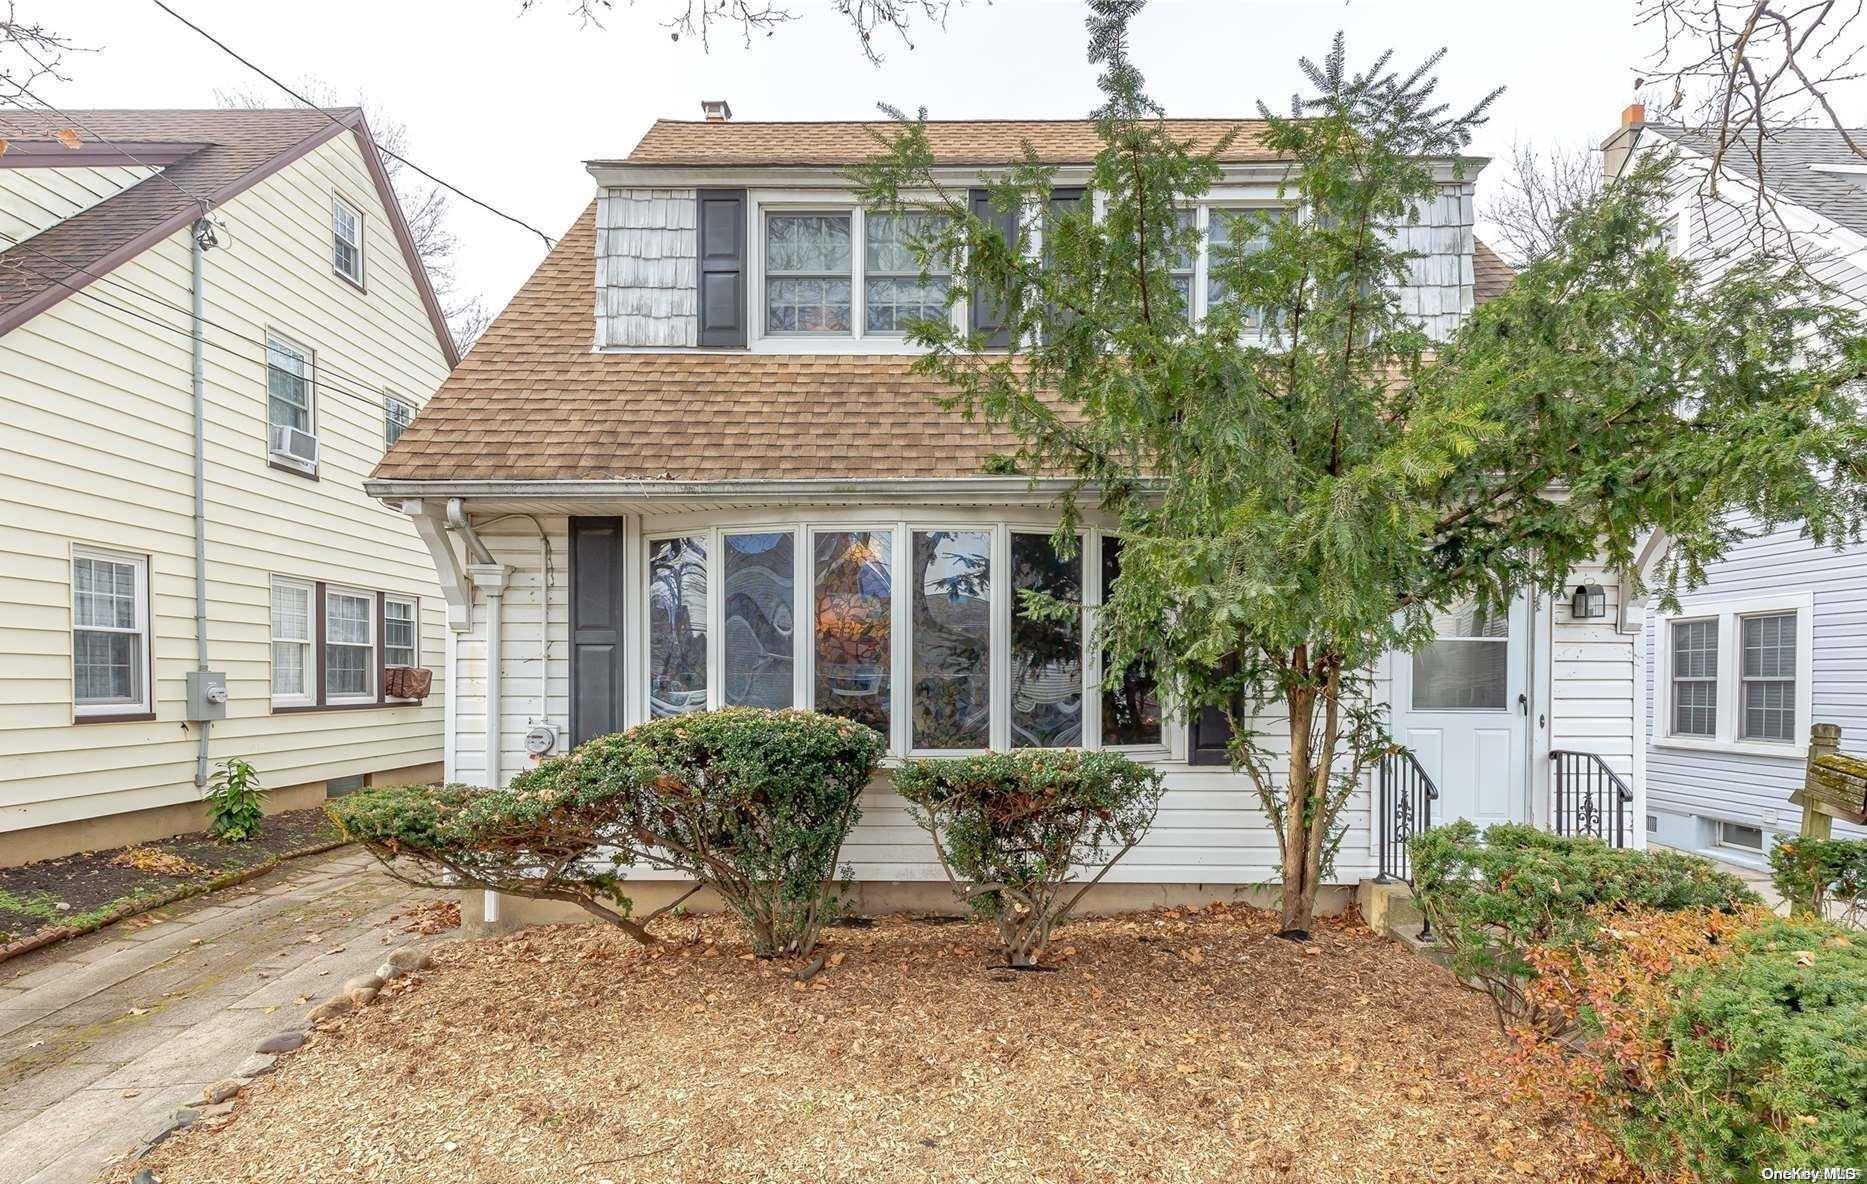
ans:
(99, 447)
(294, 662)
(110, 632)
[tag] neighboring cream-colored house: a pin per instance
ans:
(690, 465)
(255, 262)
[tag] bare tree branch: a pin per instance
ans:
(1540, 187)
(29, 52)
(698, 19)
(426, 207)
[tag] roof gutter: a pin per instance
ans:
(894, 490)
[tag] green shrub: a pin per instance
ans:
(754, 804)
(1010, 827)
(1815, 875)
(1767, 1062)
(236, 805)
(1495, 898)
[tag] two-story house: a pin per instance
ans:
(212, 324)
(690, 466)
(1775, 639)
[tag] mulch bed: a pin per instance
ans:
(90, 886)
(1168, 1046)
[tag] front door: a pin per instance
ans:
(1461, 705)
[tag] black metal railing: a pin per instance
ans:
(1404, 805)
(1589, 798)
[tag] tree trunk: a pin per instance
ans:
(1299, 890)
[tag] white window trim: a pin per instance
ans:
(804, 528)
(292, 345)
(375, 663)
(142, 705)
(339, 202)
(390, 421)
(314, 649)
(414, 604)
(1729, 613)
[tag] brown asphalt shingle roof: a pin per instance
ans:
(532, 402)
(954, 142)
(1490, 274)
(236, 148)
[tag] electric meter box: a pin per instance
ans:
(206, 695)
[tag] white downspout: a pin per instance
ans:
(490, 578)
(201, 239)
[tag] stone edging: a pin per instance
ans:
(143, 904)
(217, 1100)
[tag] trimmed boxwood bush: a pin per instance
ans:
(1495, 897)
(1766, 1059)
(1819, 875)
(752, 803)
(1011, 829)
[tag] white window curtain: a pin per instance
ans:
(349, 646)
(291, 641)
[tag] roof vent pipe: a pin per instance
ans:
(716, 110)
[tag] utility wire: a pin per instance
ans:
(369, 400)
(454, 189)
(319, 368)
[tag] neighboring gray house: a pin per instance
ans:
(1776, 638)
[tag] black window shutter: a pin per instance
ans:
(1209, 735)
(596, 623)
(988, 314)
(1062, 201)
(720, 234)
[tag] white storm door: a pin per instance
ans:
(1461, 704)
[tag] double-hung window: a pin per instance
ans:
(397, 415)
(349, 646)
(1695, 678)
(109, 633)
(347, 240)
(1737, 674)
(294, 669)
(808, 283)
(1232, 232)
(894, 293)
(400, 632)
(291, 439)
(1767, 677)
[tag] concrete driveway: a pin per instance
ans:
(102, 1038)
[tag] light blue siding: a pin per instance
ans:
(1738, 787)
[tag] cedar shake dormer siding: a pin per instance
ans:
(646, 268)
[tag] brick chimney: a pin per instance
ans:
(716, 110)
(1618, 147)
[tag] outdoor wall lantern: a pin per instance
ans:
(1590, 602)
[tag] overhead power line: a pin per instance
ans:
(451, 188)
(370, 400)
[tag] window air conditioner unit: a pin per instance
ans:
(289, 446)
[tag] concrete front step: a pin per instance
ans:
(1387, 907)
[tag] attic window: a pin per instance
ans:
(347, 241)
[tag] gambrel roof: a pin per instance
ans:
(207, 155)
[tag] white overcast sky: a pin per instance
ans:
(508, 107)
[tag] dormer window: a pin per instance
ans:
(893, 293)
(347, 240)
(807, 273)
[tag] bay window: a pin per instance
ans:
(952, 639)
(677, 626)
(926, 632)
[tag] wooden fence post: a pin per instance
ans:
(1824, 740)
